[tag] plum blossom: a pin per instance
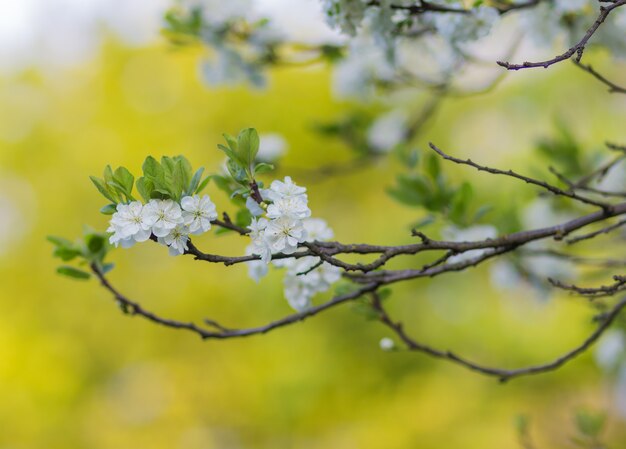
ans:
(254, 207)
(387, 344)
(130, 224)
(260, 245)
(198, 213)
(317, 229)
(387, 131)
(283, 234)
(164, 215)
(272, 147)
(290, 206)
(472, 233)
(176, 240)
(284, 189)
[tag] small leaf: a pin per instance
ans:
(195, 181)
(590, 424)
(72, 272)
(103, 189)
(263, 167)
(433, 167)
(203, 184)
(248, 145)
(59, 241)
(145, 187)
(125, 179)
(109, 209)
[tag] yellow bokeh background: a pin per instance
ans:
(77, 373)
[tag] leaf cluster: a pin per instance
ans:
(171, 178)
(91, 249)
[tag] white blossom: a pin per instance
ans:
(129, 224)
(289, 206)
(346, 15)
(254, 207)
(298, 293)
(387, 131)
(284, 189)
(176, 240)
(256, 268)
(470, 234)
(611, 349)
(271, 147)
(317, 229)
(387, 344)
(283, 234)
(260, 245)
(164, 215)
(198, 213)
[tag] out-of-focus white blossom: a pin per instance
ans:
(611, 349)
(387, 344)
(271, 147)
(164, 216)
(387, 131)
(176, 240)
(345, 15)
(198, 213)
(257, 269)
(470, 234)
(260, 245)
(317, 229)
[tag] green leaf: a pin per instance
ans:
(169, 176)
(261, 168)
(103, 189)
(237, 172)
(186, 171)
(145, 187)
(152, 169)
(66, 253)
(203, 184)
(231, 141)
(95, 243)
(59, 241)
(125, 179)
(232, 156)
(432, 166)
(412, 190)
(72, 272)
(460, 204)
(590, 424)
(195, 182)
(107, 267)
(248, 146)
(108, 174)
(109, 209)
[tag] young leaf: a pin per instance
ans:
(263, 168)
(72, 272)
(248, 146)
(195, 182)
(203, 184)
(145, 187)
(125, 179)
(109, 209)
(103, 189)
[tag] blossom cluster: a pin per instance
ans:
(170, 222)
(287, 224)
